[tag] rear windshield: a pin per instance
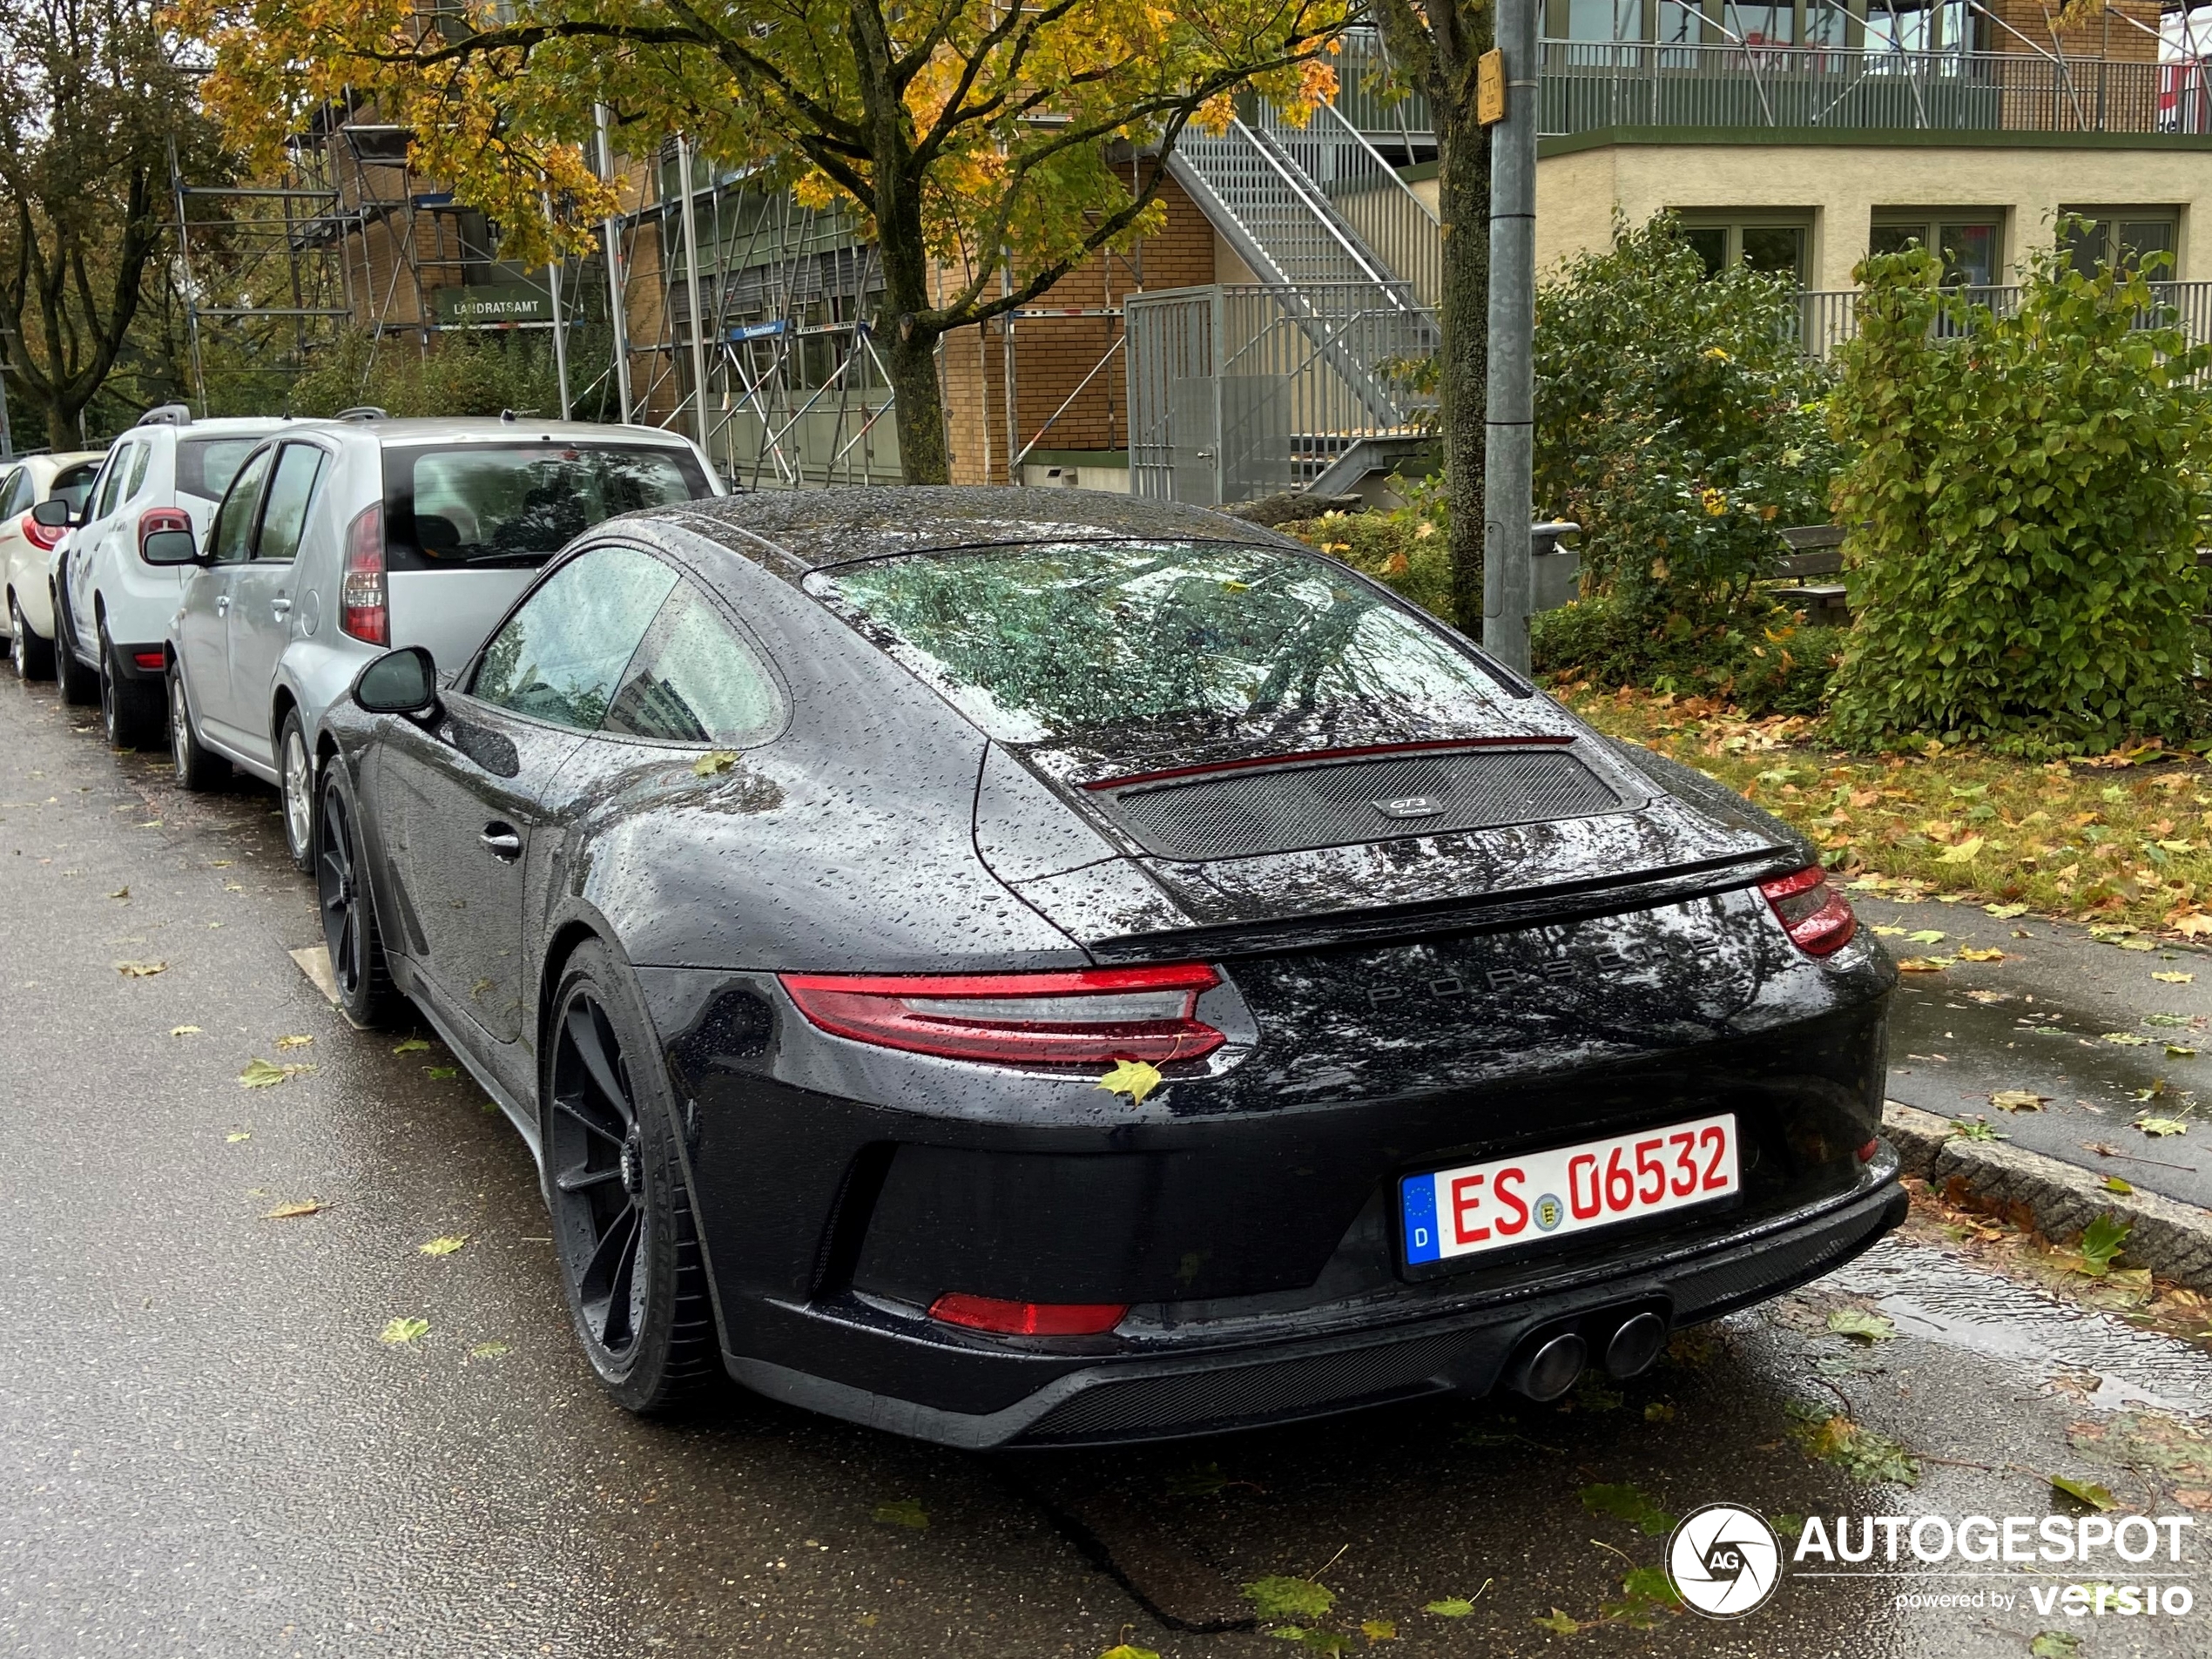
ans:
(73, 484)
(490, 504)
(1036, 644)
(206, 465)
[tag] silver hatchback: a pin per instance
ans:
(341, 540)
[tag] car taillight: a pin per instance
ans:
(1817, 918)
(1026, 1318)
(161, 518)
(363, 607)
(1065, 1017)
(45, 537)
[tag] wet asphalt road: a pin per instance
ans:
(205, 1449)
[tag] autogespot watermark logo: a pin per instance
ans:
(1725, 1560)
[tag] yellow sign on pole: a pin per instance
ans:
(1490, 87)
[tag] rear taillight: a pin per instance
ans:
(1095, 1015)
(1817, 918)
(364, 609)
(45, 537)
(161, 518)
(1026, 1318)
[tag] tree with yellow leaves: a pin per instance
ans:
(977, 139)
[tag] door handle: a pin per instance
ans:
(222, 605)
(501, 842)
(280, 606)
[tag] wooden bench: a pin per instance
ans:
(1815, 550)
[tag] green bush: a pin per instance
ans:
(1405, 547)
(2029, 494)
(1763, 661)
(1677, 422)
(463, 374)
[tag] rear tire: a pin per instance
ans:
(197, 767)
(348, 904)
(33, 657)
(78, 684)
(623, 1226)
(296, 787)
(129, 708)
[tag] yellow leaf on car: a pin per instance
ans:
(715, 760)
(1135, 1078)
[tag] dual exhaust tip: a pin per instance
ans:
(1550, 1365)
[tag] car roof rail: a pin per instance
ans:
(362, 412)
(167, 415)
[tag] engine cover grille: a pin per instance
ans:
(1237, 814)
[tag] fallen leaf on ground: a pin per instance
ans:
(1450, 1607)
(1378, 1629)
(183, 1030)
(2125, 1039)
(2157, 1128)
(1135, 1078)
(141, 970)
(2174, 1051)
(439, 1074)
(1925, 936)
(2019, 1099)
(396, 1332)
(2055, 1644)
(1862, 1323)
(1968, 953)
(293, 1042)
(1891, 932)
(2114, 1184)
(1129, 1650)
(2005, 912)
(2174, 979)
(297, 1208)
(2191, 927)
(487, 1351)
(259, 1074)
(904, 1512)
(445, 1245)
(1920, 965)
(1559, 1623)
(2086, 1492)
(120, 893)
(1962, 854)
(413, 1045)
(236, 1136)
(1627, 1503)
(2136, 942)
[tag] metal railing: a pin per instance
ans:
(1381, 208)
(1828, 317)
(1237, 390)
(1368, 94)
(1590, 85)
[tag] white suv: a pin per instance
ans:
(343, 539)
(111, 604)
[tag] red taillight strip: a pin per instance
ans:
(1305, 757)
(1195, 976)
(1823, 929)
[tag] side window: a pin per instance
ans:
(562, 655)
(227, 542)
(111, 480)
(292, 490)
(693, 680)
(17, 496)
(140, 456)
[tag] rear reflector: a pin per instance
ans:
(147, 658)
(1816, 917)
(1064, 1017)
(363, 608)
(1026, 1318)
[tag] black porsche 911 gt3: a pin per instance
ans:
(1026, 968)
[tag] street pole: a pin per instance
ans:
(616, 301)
(7, 437)
(1509, 436)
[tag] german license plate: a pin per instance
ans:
(1568, 1188)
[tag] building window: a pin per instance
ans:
(1766, 241)
(1598, 19)
(1970, 242)
(2126, 237)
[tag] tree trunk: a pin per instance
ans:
(923, 457)
(1463, 179)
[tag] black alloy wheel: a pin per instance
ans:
(129, 709)
(622, 1213)
(77, 683)
(33, 657)
(196, 766)
(349, 929)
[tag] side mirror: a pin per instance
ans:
(53, 513)
(400, 682)
(170, 547)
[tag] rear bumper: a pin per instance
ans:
(1247, 1385)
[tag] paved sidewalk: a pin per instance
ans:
(2043, 1021)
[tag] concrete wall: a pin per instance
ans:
(1841, 187)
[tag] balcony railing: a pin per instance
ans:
(1828, 317)
(1591, 85)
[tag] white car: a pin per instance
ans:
(342, 540)
(26, 546)
(111, 606)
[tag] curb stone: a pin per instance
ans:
(2171, 1238)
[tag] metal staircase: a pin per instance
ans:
(1351, 259)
